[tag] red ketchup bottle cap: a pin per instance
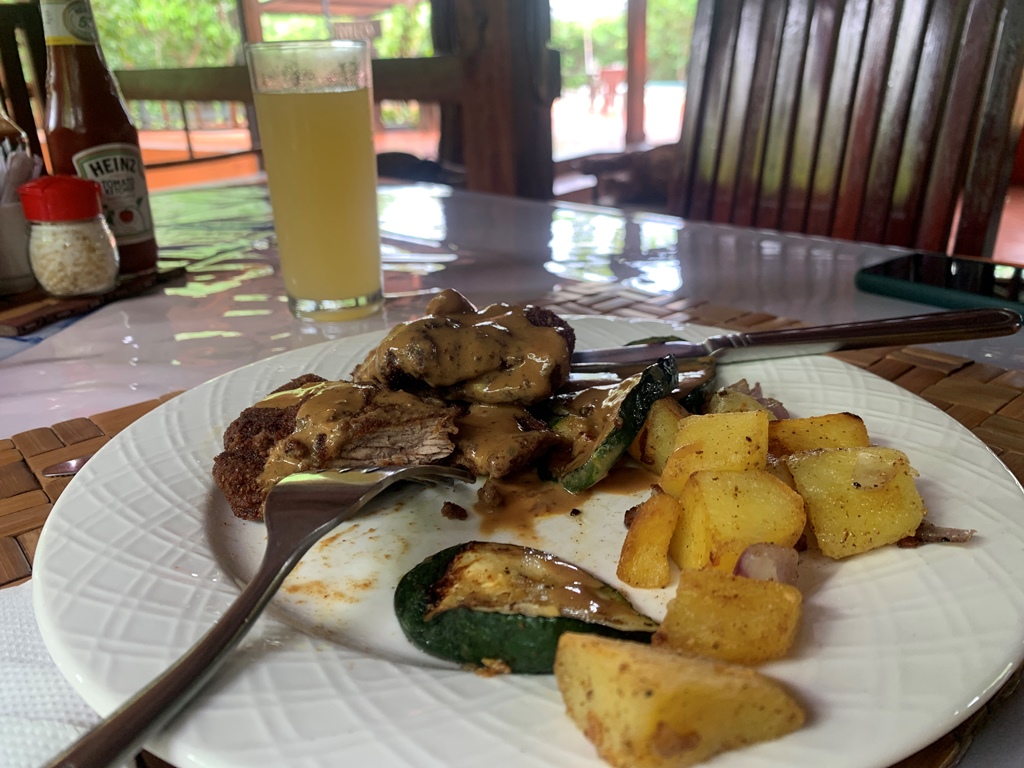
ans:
(60, 198)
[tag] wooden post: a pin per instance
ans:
(251, 29)
(636, 70)
(510, 78)
(249, 21)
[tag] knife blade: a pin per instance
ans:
(956, 325)
(66, 468)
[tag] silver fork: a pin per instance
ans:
(298, 512)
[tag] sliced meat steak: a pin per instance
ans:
(319, 424)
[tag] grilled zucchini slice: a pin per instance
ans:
(601, 422)
(502, 607)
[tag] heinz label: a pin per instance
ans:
(68, 22)
(118, 169)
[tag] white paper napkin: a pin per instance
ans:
(40, 713)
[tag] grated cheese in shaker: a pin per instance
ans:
(71, 248)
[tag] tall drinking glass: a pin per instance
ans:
(313, 106)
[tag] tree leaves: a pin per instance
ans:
(155, 34)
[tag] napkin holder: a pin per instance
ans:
(15, 270)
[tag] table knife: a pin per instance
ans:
(65, 468)
(812, 340)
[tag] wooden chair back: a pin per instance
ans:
(887, 121)
(23, 18)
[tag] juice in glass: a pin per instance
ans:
(321, 170)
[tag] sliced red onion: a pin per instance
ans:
(929, 533)
(872, 471)
(777, 409)
(768, 562)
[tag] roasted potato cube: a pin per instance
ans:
(643, 561)
(657, 438)
(647, 707)
(716, 441)
(834, 430)
(724, 512)
(731, 618)
(857, 499)
(731, 401)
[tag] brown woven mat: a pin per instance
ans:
(985, 398)
(26, 312)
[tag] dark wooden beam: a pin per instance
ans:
(510, 77)
(438, 78)
(249, 19)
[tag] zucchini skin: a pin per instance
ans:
(656, 381)
(526, 644)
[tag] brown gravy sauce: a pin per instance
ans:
(525, 498)
(484, 430)
(493, 355)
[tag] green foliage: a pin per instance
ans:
(144, 34)
(153, 34)
(405, 32)
(669, 29)
(279, 27)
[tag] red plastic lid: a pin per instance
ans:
(60, 198)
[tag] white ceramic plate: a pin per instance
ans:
(140, 556)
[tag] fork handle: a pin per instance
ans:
(121, 735)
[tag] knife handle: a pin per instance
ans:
(897, 331)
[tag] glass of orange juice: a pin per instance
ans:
(313, 106)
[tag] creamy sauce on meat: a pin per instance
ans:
(495, 440)
(495, 355)
(327, 418)
(484, 430)
(320, 424)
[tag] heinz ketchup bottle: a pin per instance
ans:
(89, 132)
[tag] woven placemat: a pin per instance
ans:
(987, 399)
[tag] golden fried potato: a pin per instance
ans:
(857, 499)
(731, 618)
(724, 512)
(834, 430)
(731, 441)
(647, 707)
(657, 438)
(643, 561)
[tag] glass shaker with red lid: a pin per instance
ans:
(71, 249)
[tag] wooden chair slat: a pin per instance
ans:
(755, 133)
(713, 118)
(779, 144)
(864, 128)
(690, 131)
(838, 115)
(942, 195)
(867, 120)
(915, 164)
(1001, 119)
(732, 131)
(814, 92)
(893, 114)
